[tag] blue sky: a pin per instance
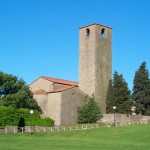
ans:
(41, 37)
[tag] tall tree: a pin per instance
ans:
(15, 93)
(141, 90)
(121, 94)
(110, 99)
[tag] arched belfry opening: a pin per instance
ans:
(103, 33)
(87, 33)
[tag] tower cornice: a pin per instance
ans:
(95, 24)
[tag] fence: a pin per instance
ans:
(32, 129)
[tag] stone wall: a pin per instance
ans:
(62, 106)
(41, 84)
(54, 107)
(71, 99)
(87, 60)
(57, 85)
(103, 64)
(120, 118)
(42, 102)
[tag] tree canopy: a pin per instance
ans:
(110, 99)
(118, 95)
(15, 93)
(121, 94)
(141, 90)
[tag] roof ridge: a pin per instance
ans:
(58, 80)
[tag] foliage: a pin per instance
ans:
(118, 94)
(22, 117)
(15, 93)
(121, 94)
(8, 116)
(45, 122)
(90, 112)
(141, 90)
(110, 99)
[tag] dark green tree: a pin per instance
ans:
(110, 99)
(15, 93)
(121, 94)
(141, 90)
(90, 112)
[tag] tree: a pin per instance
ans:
(15, 93)
(141, 90)
(110, 99)
(121, 94)
(90, 112)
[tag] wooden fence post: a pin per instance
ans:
(64, 128)
(76, 127)
(44, 129)
(14, 130)
(22, 129)
(6, 130)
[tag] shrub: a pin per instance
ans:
(22, 117)
(90, 112)
(8, 116)
(46, 122)
(29, 119)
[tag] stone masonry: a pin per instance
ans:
(95, 66)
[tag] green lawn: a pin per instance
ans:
(132, 137)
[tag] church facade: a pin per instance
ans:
(60, 98)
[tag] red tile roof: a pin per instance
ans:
(61, 89)
(39, 92)
(61, 81)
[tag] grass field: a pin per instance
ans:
(132, 137)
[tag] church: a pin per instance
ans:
(59, 98)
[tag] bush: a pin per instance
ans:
(46, 122)
(29, 119)
(22, 117)
(90, 112)
(8, 116)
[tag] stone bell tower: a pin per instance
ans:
(95, 66)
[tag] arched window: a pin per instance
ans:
(87, 33)
(103, 33)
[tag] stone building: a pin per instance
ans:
(59, 98)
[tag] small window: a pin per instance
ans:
(103, 33)
(87, 33)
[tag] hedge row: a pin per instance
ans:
(22, 117)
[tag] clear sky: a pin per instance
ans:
(41, 37)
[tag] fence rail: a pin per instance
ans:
(32, 129)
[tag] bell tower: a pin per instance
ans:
(95, 62)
